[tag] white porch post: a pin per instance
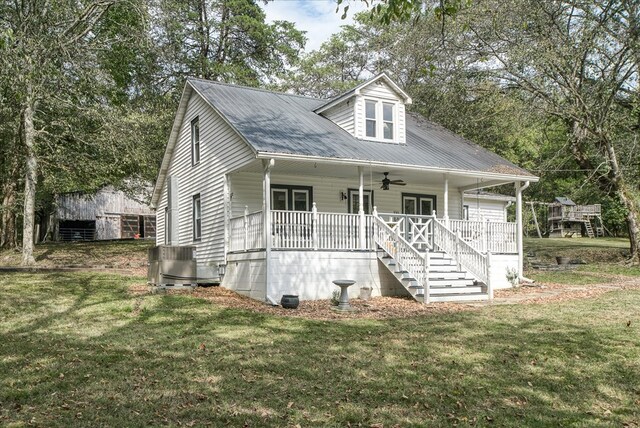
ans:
(227, 215)
(519, 228)
(266, 215)
(363, 240)
(446, 200)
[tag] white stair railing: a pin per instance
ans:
(465, 255)
(406, 256)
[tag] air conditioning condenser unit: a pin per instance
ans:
(172, 265)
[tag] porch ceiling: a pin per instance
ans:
(374, 174)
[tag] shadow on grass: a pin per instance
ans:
(177, 359)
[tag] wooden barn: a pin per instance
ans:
(107, 214)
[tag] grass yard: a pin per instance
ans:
(604, 260)
(117, 254)
(77, 349)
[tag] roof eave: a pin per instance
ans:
(358, 162)
(355, 91)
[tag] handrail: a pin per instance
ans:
(407, 256)
(465, 255)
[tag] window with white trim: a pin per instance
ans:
(387, 121)
(370, 116)
(380, 120)
(195, 141)
(197, 218)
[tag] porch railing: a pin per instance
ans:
(417, 230)
(318, 231)
(389, 238)
(465, 255)
(247, 232)
(493, 236)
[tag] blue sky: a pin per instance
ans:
(317, 17)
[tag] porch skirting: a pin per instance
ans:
(309, 274)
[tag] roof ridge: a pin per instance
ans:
(232, 85)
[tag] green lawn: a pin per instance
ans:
(77, 350)
(99, 253)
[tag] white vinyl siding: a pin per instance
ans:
(483, 209)
(343, 115)
(222, 150)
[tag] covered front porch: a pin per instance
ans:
(327, 218)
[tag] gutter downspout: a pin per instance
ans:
(519, 189)
(267, 165)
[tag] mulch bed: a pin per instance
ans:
(398, 307)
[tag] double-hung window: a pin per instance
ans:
(379, 120)
(195, 141)
(197, 218)
(370, 115)
(387, 121)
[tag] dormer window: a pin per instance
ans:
(370, 113)
(379, 129)
(387, 121)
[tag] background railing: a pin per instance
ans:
(76, 234)
(247, 232)
(493, 236)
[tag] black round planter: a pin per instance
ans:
(290, 301)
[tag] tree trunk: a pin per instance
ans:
(8, 218)
(30, 182)
(626, 197)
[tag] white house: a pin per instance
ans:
(282, 194)
(481, 205)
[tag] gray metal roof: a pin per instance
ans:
(286, 124)
(564, 201)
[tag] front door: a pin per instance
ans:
(367, 199)
(414, 204)
(417, 230)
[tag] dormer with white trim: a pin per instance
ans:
(373, 110)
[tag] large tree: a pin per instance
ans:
(224, 40)
(47, 55)
(578, 62)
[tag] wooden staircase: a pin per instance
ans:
(589, 228)
(446, 282)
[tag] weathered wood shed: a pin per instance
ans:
(107, 214)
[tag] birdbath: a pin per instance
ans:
(344, 284)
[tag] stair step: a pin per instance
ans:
(472, 297)
(462, 282)
(449, 274)
(471, 289)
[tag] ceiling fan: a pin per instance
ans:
(386, 182)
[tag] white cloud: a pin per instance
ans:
(317, 17)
